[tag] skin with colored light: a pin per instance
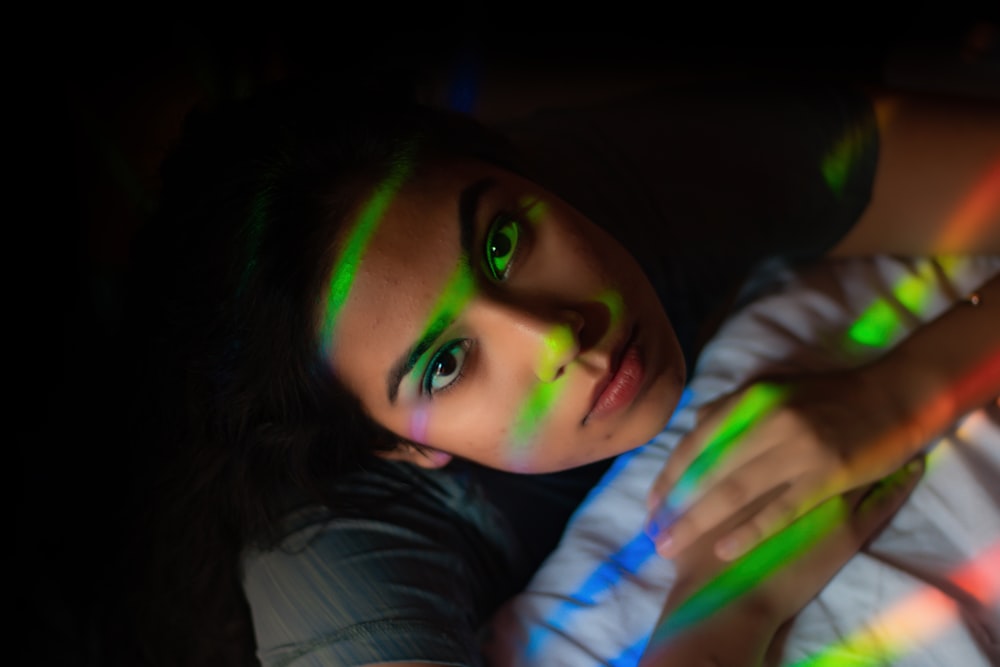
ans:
(529, 322)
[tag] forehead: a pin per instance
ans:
(407, 260)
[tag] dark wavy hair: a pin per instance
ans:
(235, 414)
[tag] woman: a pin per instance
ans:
(332, 280)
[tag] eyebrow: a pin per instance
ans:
(444, 312)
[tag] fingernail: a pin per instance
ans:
(728, 548)
(658, 526)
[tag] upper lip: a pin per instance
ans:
(616, 361)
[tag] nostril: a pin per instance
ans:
(574, 320)
(596, 319)
(559, 348)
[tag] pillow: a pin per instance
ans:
(925, 592)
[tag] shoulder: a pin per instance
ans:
(398, 575)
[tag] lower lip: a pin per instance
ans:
(624, 386)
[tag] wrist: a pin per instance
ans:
(944, 369)
(748, 625)
(912, 395)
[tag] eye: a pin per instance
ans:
(501, 245)
(445, 367)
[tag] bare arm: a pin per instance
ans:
(937, 182)
(936, 192)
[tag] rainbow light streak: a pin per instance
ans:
(346, 267)
(921, 615)
(756, 566)
(418, 423)
(881, 321)
(753, 406)
(977, 211)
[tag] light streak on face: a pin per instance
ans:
(418, 423)
(558, 342)
(917, 618)
(531, 416)
(615, 305)
(346, 266)
(533, 209)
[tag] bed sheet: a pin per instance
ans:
(925, 592)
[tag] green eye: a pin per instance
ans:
(446, 367)
(501, 244)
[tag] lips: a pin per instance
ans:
(623, 382)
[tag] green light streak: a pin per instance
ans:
(533, 412)
(838, 163)
(457, 292)
(533, 210)
(559, 340)
(754, 405)
(744, 574)
(346, 267)
(882, 321)
(557, 343)
(615, 305)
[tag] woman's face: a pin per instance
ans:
(490, 320)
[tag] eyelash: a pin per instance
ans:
(516, 251)
(426, 384)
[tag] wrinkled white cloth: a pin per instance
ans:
(925, 593)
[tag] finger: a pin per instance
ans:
(708, 417)
(718, 437)
(779, 512)
(873, 499)
(680, 459)
(817, 545)
(747, 483)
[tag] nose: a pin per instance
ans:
(560, 345)
(545, 339)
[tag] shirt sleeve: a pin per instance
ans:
(410, 579)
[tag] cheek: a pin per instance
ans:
(466, 426)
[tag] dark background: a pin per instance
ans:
(103, 97)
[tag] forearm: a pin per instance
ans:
(944, 370)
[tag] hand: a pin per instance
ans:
(749, 601)
(770, 453)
